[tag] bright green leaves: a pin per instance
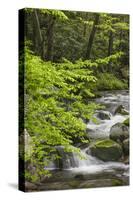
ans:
(113, 58)
(55, 106)
(55, 13)
(121, 26)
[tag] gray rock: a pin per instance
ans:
(103, 115)
(30, 186)
(119, 132)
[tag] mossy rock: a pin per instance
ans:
(117, 182)
(126, 122)
(74, 184)
(106, 150)
(121, 110)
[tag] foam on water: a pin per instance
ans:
(102, 129)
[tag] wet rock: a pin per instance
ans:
(30, 186)
(79, 176)
(103, 115)
(121, 110)
(119, 132)
(74, 184)
(106, 150)
(82, 145)
(126, 160)
(67, 159)
(117, 182)
(126, 147)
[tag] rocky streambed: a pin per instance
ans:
(106, 157)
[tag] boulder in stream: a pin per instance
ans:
(104, 115)
(121, 110)
(106, 150)
(119, 132)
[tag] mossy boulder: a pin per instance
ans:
(106, 150)
(119, 132)
(117, 182)
(121, 110)
(126, 122)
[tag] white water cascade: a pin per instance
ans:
(91, 165)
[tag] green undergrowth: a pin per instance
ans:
(108, 81)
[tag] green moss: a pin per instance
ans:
(126, 122)
(106, 150)
(74, 184)
(105, 143)
(116, 182)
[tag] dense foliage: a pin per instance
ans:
(55, 107)
(61, 77)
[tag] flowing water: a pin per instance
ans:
(111, 101)
(96, 172)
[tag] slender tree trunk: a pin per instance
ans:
(92, 35)
(38, 39)
(50, 34)
(110, 47)
(85, 25)
(84, 31)
(120, 45)
(38, 26)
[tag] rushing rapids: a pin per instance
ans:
(91, 171)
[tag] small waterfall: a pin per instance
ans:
(90, 165)
(102, 129)
(72, 160)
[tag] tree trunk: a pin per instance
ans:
(85, 25)
(92, 35)
(37, 35)
(110, 47)
(50, 33)
(121, 36)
